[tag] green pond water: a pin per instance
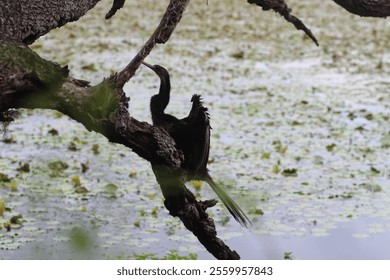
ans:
(301, 138)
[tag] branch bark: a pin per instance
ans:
(161, 35)
(24, 21)
(280, 7)
(116, 5)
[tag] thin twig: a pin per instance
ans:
(116, 5)
(280, 7)
(161, 35)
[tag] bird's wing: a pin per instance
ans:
(194, 132)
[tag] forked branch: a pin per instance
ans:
(161, 35)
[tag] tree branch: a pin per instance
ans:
(116, 5)
(161, 35)
(28, 81)
(280, 7)
(24, 21)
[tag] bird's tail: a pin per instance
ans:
(233, 207)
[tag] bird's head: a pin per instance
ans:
(158, 69)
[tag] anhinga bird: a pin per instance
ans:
(192, 136)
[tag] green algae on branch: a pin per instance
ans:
(104, 99)
(26, 60)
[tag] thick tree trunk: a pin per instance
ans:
(366, 8)
(26, 20)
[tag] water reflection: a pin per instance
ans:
(340, 244)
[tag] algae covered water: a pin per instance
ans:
(301, 138)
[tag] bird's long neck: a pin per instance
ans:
(160, 101)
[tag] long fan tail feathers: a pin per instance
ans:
(232, 206)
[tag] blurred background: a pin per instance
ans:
(300, 139)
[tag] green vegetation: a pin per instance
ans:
(171, 255)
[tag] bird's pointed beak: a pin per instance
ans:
(148, 65)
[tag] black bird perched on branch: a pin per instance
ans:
(192, 137)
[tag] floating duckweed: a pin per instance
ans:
(386, 141)
(292, 172)
(76, 181)
(372, 187)
(72, 147)
(2, 207)
(258, 211)
(133, 174)
(53, 132)
(197, 185)
(288, 256)
(90, 67)
(331, 147)
(81, 190)
(24, 168)
(79, 141)
(95, 149)
(265, 155)
(375, 171)
(142, 212)
(57, 167)
(18, 219)
(7, 225)
(278, 146)
(319, 98)
(84, 167)
(347, 195)
(111, 188)
(155, 211)
(4, 178)
(13, 186)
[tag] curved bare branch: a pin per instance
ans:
(280, 7)
(161, 35)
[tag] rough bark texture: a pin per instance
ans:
(161, 35)
(24, 21)
(366, 8)
(116, 5)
